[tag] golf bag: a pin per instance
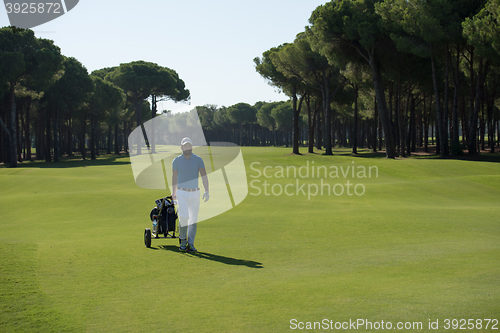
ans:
(163, 216)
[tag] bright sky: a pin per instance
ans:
(211, 44)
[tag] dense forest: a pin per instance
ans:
(393, 75)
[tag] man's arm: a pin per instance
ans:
(174, 183)
(204, 178)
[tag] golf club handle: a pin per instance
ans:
(171, 200)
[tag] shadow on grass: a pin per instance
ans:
(479, 157)
(215, 257)
(76, 161)
(340, 151)
(483, 156)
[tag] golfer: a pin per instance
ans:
(185, 171)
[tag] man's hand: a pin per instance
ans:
(206, 196)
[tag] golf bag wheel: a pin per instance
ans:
(147, 237)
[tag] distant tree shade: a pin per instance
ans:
(393, 75)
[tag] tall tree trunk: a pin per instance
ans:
(456, 73)
(439, 115)
(13, 132)
(380, 130)
(482, 127)
(413, 128)
(3, 150)
(92, 136)
(61, 132)
(69, 139)
(419, 140)
(274, 136)
(375, 120)
(355, 122)
(327, 135)
(153, 134)
(445, 108)
(475, 112)
(402, 127)
(125, 141)
(491, 131)
(426, 126)
(296, 111)
(138, 115)
(241, 134)
(393, 123)
(117, 148)
(22, 139)
(464, 122)
(9, 139)
(382, 105)
(471, 99)
(410, 124)
(319, 130)
(48, 143)
(99, 138)
(19, 139)
(397, 115)
(310, 127)
(27, 133)
(299, 108)
(56, 134)
(285, 134)
(83, 149)
(498, 132)
(431, 125)
(110, 138)
(39, 137)
(490, 102)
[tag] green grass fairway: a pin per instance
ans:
(418, 242)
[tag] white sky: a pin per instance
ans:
(211, 44)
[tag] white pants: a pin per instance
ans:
(189, 205)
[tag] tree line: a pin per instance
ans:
(271, 124)
(406, 66)
(393, 74)
(387, 74)
(51, 103)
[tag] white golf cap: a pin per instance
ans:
(186, 140)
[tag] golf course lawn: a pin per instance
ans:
(417, 241)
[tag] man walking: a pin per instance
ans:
(185, 171)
